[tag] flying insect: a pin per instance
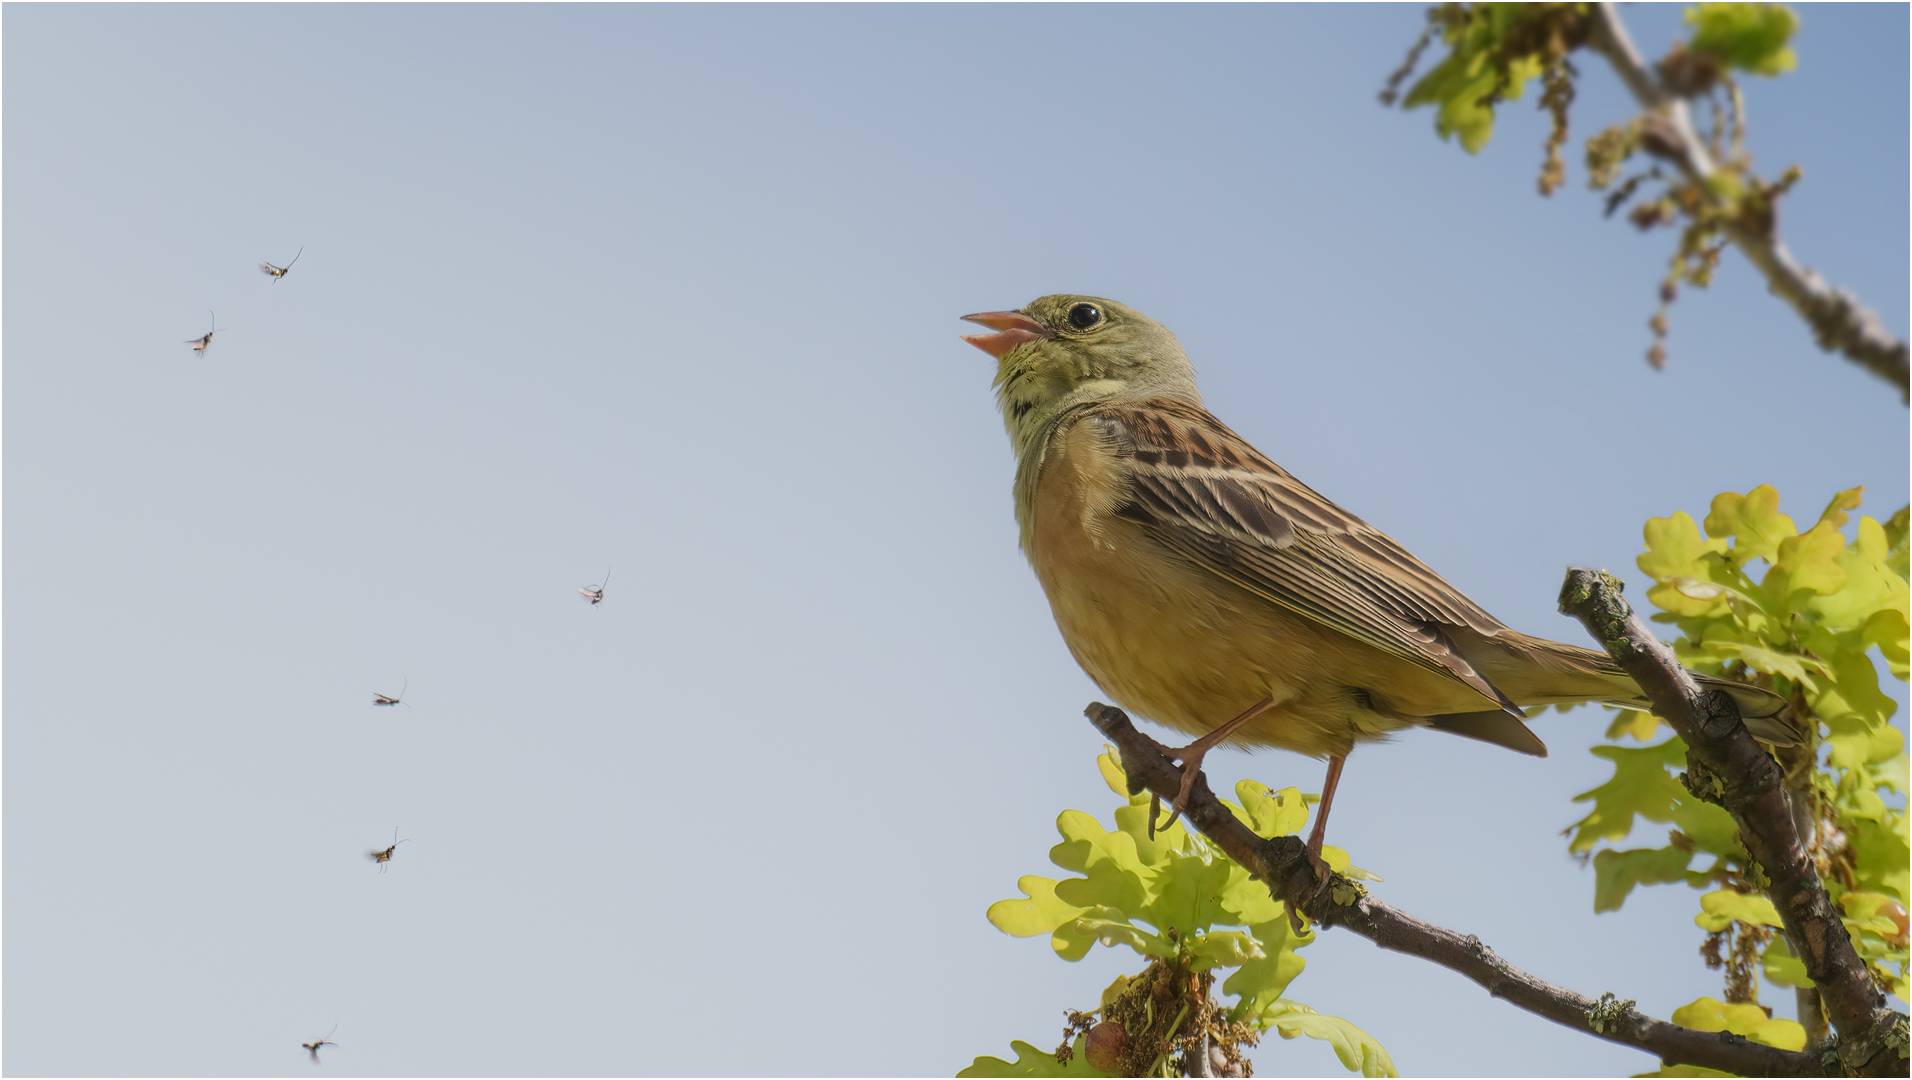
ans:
(313, 1046)
(595, 593)
(383, 856)
(277, 272)
(199, 343)
(387, 699)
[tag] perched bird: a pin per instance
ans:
(1205, 588)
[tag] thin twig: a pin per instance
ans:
(1726, 767)
(1282, 866)
(1838, 320)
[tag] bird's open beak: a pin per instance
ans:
(1015, 329)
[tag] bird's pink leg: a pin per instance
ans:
(1191, 758)
(1313, 848)
(1315, 836)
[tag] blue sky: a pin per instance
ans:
(675, 290)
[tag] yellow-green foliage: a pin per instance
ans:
(1804, 613)
(1168, 897)
(1494, 50)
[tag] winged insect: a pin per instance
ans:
(381, 856)
(595, 593)
(278, 272)
(387, 699)
(199, 343)
(312, 1047)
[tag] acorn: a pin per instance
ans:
(1104, 1046)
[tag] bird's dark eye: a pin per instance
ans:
(1085, 316)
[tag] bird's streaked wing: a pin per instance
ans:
(1209, 495)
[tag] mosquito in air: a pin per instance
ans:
(199, 343)
(595, 593)
(313, 1047)
(277, 272)
(387, 699)
(385, 856)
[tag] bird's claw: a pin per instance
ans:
(1322, 871)
(1190, 770)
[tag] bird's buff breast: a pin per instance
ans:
(1169, 640)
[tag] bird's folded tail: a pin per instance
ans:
(1765, 713)
(1553, 673)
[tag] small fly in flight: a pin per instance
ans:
(313, 1047)
(199, 343)
(381, 857)
(387, 699)
(595, 593)
(277, 272)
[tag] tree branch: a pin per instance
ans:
(1838, 320)
(1726, 767)
(1281, 865)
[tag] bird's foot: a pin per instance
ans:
(1322, 872)
(1191, 758)
(1320, 865)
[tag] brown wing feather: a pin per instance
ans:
(1206, 493)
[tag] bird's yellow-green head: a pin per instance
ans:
(1062, 351)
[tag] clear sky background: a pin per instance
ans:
(675, 290)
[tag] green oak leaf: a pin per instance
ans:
(1835, 512)
(1897, 529)
(1781, 966)
(1246, 899)
(1710, 1014)
(1463, 83)
(1114, 876)
(1862, 803)
(1108, 927)
(1259, 983)
(1675, 550)
(1190, 894)
(1753, 521)
(1113, 774)
(1895, 774)
(1808, 561)
(1639, 725)
(1882, 854)
(1358, 1051)
(1751, 37)
(1866, 911)
(1038, 913)
(1615, 873)
(1269, 813)
(1641, 787)
(1798, 668)
(1856, 712)
(1222, 948)
(1723, 907)
(1872, 583)
(1886, 631)
(1033, 1062)
(1710, 828)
